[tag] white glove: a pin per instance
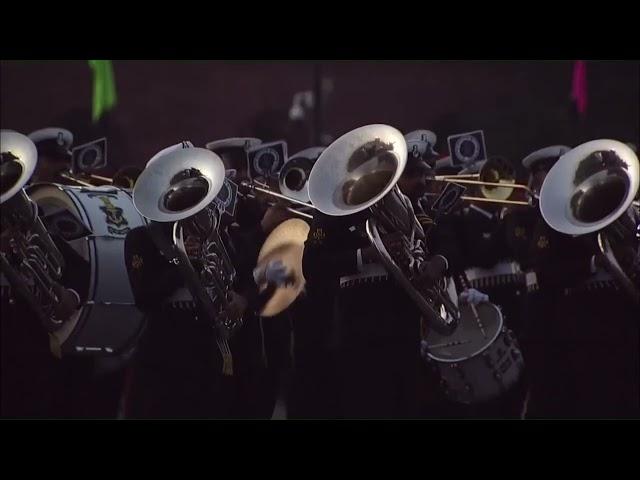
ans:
(473, 296)
(275, 272)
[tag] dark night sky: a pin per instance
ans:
(521, 105)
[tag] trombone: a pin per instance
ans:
(264, 189)
(493, 169)
(292, 182)
(83, 182)
(125, 177)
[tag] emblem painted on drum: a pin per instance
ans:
(117, 224)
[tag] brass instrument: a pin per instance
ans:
(125, 177)
(179, 188)
(292, 181)
(497, 183)
(30, 260)
(359, 171)
(591, 189)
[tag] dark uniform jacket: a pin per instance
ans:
(179, 359)
(375, 326)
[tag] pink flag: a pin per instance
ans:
(579, 86)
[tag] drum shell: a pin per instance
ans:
(486, 372)
(108, 323)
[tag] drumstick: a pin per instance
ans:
(465, 284)
(478, 321)
(449, 344)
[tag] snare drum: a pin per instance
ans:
(108, 323)
(476, 367)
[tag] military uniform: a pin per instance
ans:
(178, 370)
(259, 343)
(582, 350)
(375, 330)
(582, 341)
(476, 244)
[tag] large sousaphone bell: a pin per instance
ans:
(360, 171)
(178, 184)
(591, 189)
(18, 162)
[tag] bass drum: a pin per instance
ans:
(108, 324)
(476, 364)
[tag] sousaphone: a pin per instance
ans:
(359, 171)
(590, 189)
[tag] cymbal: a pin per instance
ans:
(285, 243)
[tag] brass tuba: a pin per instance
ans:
(179, 188)
(591, 189)
(29, 258)
(360, 171)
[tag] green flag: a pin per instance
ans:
(104, 87)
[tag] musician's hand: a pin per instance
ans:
(68, 302)
(273, 217)
(237, 305)
(473, 296)
(434, 268)
(275, 273)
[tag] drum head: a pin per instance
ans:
(467, 341)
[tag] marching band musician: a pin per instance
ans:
(58, 387)
(311, 393)
(582, 349)
(179, 371)
(474, 240)
(54, 153)
(375, 325)
(269, 344)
